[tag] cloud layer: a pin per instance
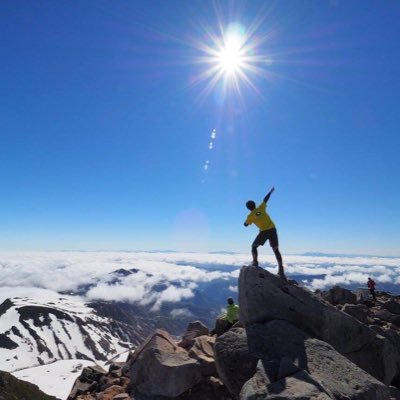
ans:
(171, 277)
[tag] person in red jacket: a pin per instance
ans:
(371, 285)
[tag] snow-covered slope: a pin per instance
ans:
(55, 379)
(36, 332)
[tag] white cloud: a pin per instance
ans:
(233, 288)
(178, 273)
(181, 312)
(171, 294)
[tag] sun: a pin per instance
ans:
(230, 60)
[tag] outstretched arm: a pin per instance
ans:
(266, 198)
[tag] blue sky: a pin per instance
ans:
(104, 135)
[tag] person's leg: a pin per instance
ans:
(254, 253)
(228, 326)
(278, 257)
(373, 294)
(274, 243)
(258, 241)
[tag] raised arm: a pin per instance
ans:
(266, 198)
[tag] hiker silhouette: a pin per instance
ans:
(259, 216)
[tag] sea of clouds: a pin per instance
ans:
(45, 274)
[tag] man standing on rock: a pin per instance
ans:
(262, 220)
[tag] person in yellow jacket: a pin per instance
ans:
(232, 314)
(259, 217)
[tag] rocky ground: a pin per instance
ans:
(290, 344)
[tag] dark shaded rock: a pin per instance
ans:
(392, 306)
(220, 326)
(6, 342)
(234, 363)
(335, 374)
(299, 385)
(5, 306)
(358, 311)
(89, 380)
(394, 393)
(387, 316)
(339, 295)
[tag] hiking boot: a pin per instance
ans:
(282, 276)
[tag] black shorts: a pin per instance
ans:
(263, 236)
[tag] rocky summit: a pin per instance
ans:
(290, 343)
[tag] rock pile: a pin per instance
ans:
(291, 344)
(159, 368)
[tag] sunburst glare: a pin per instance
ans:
(231, 60)
(231, 57)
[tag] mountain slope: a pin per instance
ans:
(12, 388)
(35, 332)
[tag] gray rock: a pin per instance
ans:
(160, 367)
(336, 376)
(392, 305)
(88, 381)
(339, 295)
(358, 311)
(264, 297)
(203, 351)
(394, 393)
(220, 326)
(194, 330)
(234, 363)
(122, 396)
(387, 316)
(299, 386)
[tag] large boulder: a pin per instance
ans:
(234, 363)
(194, 330)
(160, 367)
(299, 358)
(203, 351)
(339, 295)
(264, 297)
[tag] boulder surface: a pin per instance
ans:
(264, 297)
